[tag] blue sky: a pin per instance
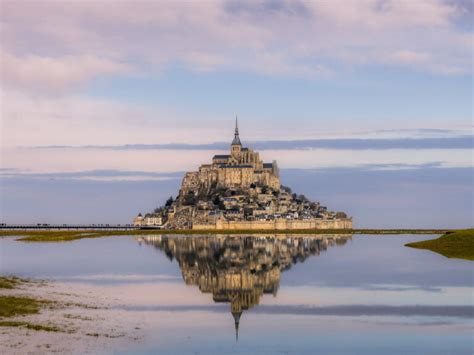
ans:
(365, 98)
(80, 75)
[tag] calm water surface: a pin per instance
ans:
(226, 294)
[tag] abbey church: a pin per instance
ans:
(241, 168)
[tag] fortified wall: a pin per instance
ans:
(343, 223)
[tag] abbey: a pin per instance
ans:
(239, 191)
(241, 168)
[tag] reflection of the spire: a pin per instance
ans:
(239, 269)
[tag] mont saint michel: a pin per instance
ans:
(238, 191)
(138, 216)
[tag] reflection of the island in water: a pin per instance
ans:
(239, 269)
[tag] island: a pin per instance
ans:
(238, 191)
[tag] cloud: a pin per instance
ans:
(52, 50)
(408, 57)
(460, 142)
(118, 278)
(73, 160)
(464, 311)
(376, 198)
(421, 132)
(76, 41)
(55, 74)
(92, 175)
(73, 119)
(130, 175)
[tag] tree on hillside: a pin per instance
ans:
(190, 199)
(169, 201)
(286, 189)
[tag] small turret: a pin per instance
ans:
(138, 220)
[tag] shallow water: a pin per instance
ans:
(329, 295)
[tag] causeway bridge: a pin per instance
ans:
(46, 226)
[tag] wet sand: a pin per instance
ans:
(86, 321)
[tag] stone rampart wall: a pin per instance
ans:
(277, 225)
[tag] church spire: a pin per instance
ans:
(236, 316)
(236, 332)
(236, 140)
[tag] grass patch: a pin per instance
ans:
(10, 282)
(65, 236)
(458, 244)
(11, 306)
(28, 325)
(56, 236)
(7, 282)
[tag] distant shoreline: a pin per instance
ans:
(47, 235)
(130, 229)
(300, 231)
(119, 231)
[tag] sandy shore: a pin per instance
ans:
(86, 322)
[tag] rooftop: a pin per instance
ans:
(235, 166)
(221, 156)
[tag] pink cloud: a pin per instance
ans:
(291, 38)
(55, 74)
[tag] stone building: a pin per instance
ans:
(138, 220)
(149, 220)
(239, 169)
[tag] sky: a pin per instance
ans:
(101, 99)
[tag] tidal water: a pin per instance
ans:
(335, 294)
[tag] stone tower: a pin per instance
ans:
(236, 146)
